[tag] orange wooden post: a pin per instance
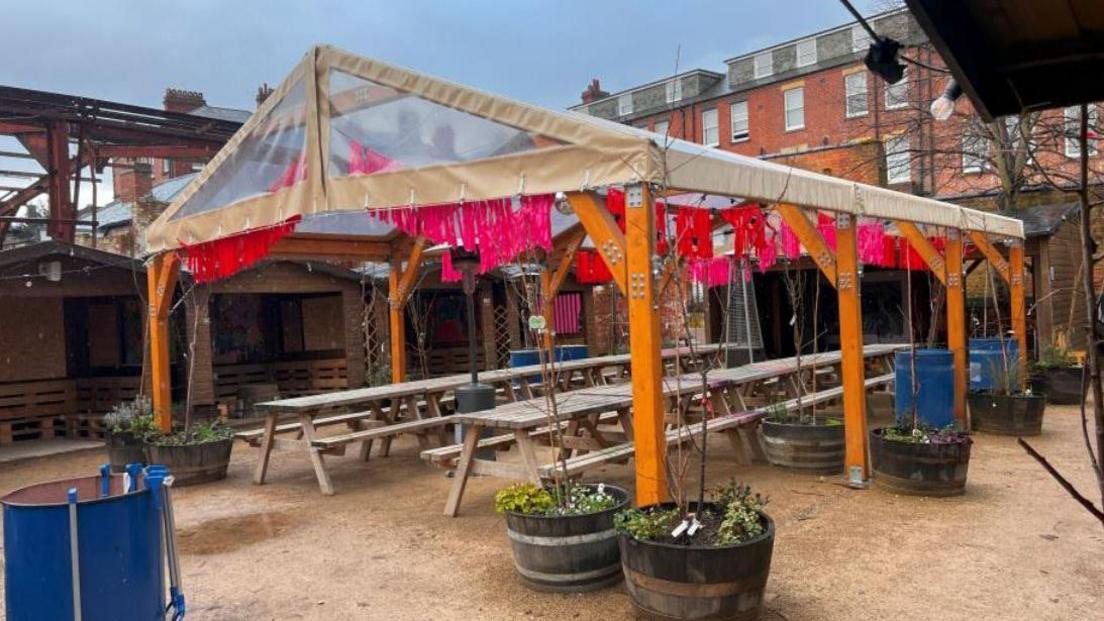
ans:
(851, 352)
(160, 283)
(644, 348)
(956, 322)
(1019, 306)
(400, 283)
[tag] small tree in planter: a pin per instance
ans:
(1058, 376)
(561, 533)
(717, 564)
(911, 457)
(125, 429)
(802, 441)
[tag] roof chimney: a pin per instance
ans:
(132, 181)
(263, 91)
(594, 92)
(177, 100)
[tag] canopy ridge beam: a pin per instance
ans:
(601, 227)
(160, 283)
(924, 248)
(809, 237)
(994, 256)
(300, 247)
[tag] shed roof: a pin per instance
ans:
(345, 134)
(1044, 220)
(46, 249)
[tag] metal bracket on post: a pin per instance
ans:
(634, 195)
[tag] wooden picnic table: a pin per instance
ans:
(728, 390)
(381, 409)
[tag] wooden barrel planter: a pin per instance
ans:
(936, 469)
(1012, 415)
(815, 448)
(123, 448)
(667, 581)
(1061, 385)
(193, 463)
(569, 553)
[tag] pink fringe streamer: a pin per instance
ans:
(712, 272)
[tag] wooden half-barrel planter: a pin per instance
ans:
(814, 448)
(1061, 385)
(124, 447)
(567, 553)
(191, 464)
(1010, 415)
(917, 468)
(698, 582)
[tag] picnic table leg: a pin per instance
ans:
(324, 483)
(625, 418)
(463, 469)
(433, 408)
(528, 454)
(385, 448)
(265, 449)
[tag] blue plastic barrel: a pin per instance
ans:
(934, 387)
(119, 552)
(987, 361)
(572, 352)
(525, 358)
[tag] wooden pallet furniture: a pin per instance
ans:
(31, 409)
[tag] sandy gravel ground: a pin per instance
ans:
(1014, 547)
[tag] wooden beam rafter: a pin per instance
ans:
(601, 227)
(992, 254)
(923, 247)
(809, 237)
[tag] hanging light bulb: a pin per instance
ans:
(943, 106)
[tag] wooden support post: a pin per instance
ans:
(851, 352)
(810, 238)
(1019, 305)
(956, 323)
(160, 283)
(62, 214)
(644, 348)
(603, 230)
(994, 256)
(400, 283)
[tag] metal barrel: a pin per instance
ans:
(815, 448)
(574, 553)
(1010, 415)
(722, 583)
(116, 549)
(919, 469)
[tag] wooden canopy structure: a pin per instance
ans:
(345, 138)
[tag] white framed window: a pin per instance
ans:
(975, 152)
(764, 65)
(898, 160)
(741, 129)
(624, 104)
(674, 90)
(806, 52)
(198, 166)
(166, 166)
(711, 129)
(662, 127)
(1072, 131)
(860, 39)
(896, 95)
(794, 100)
(855, 88)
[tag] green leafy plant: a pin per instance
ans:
(734, 516)
(528, 499)
(1005, 372)
(134, 417)
(926, 435)
(199, 433)
(1056, 357)
(524, 498)
(647, 525)
(741, 514)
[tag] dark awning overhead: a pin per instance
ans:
(1016, 55)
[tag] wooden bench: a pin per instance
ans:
(418, 427)
(253, 436)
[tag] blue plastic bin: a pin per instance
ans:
(935, 387)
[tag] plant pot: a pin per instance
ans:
(193, 463)
(123, 447)
(668, 581)
(1061, 385)
(569, 553)
(1013, 415)
(919, 469)
(806, 448)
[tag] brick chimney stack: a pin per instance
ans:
(594, 92)
(132, 181)
(263, 91)
(177, 100)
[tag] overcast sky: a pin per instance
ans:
(544, 52)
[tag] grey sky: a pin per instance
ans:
(544, 52)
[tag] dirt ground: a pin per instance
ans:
(1013, 547)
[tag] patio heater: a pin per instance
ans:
(472, 397)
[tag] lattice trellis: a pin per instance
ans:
(502, 335)
(376, 342)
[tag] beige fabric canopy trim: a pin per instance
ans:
(579, 152)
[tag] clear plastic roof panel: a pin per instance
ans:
(377, 129)
(270, 159)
